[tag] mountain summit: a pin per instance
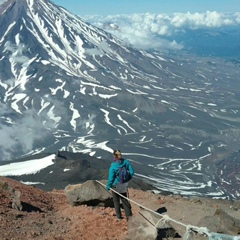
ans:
(67, 85)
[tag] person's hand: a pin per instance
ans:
(108, 188)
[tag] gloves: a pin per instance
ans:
(108, 188)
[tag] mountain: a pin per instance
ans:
(67, 85)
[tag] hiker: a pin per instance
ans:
(120, 172)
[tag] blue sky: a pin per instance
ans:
(110, 7)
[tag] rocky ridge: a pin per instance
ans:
(81, 89)
(48, 214)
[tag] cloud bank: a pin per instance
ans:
(20, 135)
(2, 1)
(153, 30)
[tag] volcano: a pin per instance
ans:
(67, 85)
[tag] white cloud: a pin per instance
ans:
(201, 20)
(237, 17)
(103, 47)
(17, 52)
(150, 30)
(21, 135)
(2, 1)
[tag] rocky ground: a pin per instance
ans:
(48, 215)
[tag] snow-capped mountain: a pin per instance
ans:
(67, 85)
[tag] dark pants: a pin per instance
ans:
(126, 205)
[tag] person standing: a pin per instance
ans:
(116, 182)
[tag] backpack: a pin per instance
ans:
(123, 174)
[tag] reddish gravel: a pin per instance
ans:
(48, 215)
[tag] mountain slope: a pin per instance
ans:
(48, 215)
(66, 85)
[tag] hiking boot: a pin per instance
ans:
(120, 218)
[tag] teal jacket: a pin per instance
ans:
(113, 178)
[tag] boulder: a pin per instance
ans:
(3, 186)
(228, 224)
(11, 195)
(16, 200)
(236, 205)
(221, 222)
(147, 225)
(89, 193)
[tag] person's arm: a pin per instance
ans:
(111, 178)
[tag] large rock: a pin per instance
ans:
(221, 222)
(147, 225)
(89, 193)
(236, 205)
(12, 196)
(16, 200)
(229, 224)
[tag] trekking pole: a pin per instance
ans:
(127, 193)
